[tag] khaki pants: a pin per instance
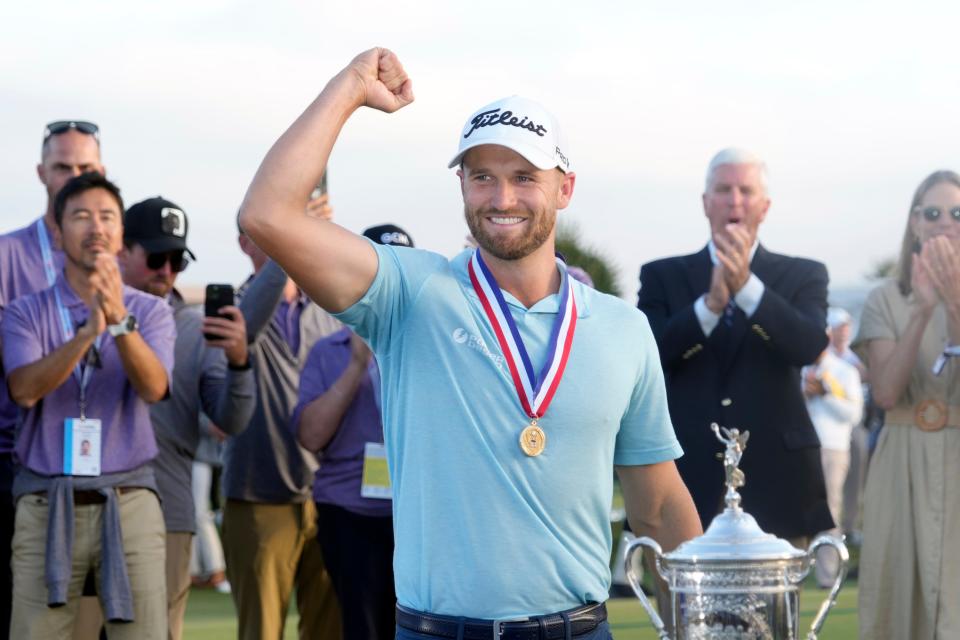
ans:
(270, 548)
(179, 548)
(143, 543)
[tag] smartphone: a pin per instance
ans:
(321, 187)
(216, 297)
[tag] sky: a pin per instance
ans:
(851, 105)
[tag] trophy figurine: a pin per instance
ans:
(735, 582)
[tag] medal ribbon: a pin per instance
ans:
(535, 392)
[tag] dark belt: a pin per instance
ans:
(582, 620)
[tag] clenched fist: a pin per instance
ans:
(384, 83)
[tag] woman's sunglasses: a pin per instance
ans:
(932, 214)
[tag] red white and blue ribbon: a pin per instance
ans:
(535, 392)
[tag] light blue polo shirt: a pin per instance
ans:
(481, 529)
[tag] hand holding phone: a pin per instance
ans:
(216, 297)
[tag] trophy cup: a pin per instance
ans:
(734, 582)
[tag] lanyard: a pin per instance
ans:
(81, 373)
(46, 253)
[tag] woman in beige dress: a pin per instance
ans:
(910, 561)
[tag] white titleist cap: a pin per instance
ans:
(519, 124)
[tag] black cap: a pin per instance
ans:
(157, 225)
(389, 234)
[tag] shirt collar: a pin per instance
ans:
(713, 250)
(67, 294)
(550, 304)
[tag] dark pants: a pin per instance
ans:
(7, 513)
(358, 553)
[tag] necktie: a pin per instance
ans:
(728, 312)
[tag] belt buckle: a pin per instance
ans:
(498, 625)
(931, 415)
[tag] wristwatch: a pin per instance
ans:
(127, 325)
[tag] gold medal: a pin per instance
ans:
(533, 439)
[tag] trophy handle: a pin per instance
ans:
(837, 543)
(633, 561)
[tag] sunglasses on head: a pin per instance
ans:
(62, 126)
(178, 261)
(932, 214)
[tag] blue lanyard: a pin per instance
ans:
(82, 374)
(46, 252)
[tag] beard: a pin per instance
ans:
(540, 223)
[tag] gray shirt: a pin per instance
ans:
(265, 463)
(201, 381)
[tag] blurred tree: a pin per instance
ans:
(883, 268)
(570, 243)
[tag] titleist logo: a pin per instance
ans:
(490, 118)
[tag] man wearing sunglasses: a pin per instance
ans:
(210, 375)
(30, 262)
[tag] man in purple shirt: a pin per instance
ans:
(84, 358)
(70, 147)
(338, 417)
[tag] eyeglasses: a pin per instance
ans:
(178, 261)
(62, 126)
(932, 214)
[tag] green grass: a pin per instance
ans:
(210, 616)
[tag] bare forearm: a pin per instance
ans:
(30, 383)
(658, 503)
(143, 368)
(277, 192)
(321, 418)
(676, 522)
(334, 266)
(890, 375)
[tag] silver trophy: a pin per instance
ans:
(734, 582)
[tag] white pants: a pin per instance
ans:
(207, 555)
(835, 466)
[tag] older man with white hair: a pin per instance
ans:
(735, 323)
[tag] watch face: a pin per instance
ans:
(131, 323)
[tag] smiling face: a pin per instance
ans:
(92, 224)
(736, 195)
(510, 205)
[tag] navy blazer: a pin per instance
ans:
(745, 375)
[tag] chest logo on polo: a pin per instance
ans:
(475, 342)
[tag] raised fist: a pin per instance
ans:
(385, 84)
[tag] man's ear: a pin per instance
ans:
(567, 183)
(42, 173)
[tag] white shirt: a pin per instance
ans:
(837, 412)
(748, 298)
